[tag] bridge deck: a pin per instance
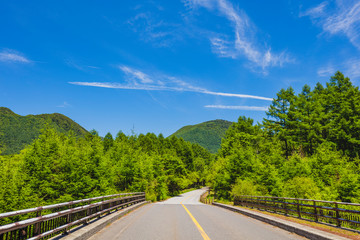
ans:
(183, 217)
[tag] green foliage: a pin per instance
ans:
(60, 167)
(308, 147)
(244, 187)
(18, 131)
(301, 187)
(282, 120)
(206, 134)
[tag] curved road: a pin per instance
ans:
(184, 217)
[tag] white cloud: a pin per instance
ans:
(133, 73)
(12, 56)
(138, 80)
(222, 47)
(243, 44)
(70, 62)
(247, 108)
(344, 19)
(237, 95)
(353, 68)
(326, 71)
(156, 31)
(317, 11)
(350, 68)
(79, 65)
(64, 105)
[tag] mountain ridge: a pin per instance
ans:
(17, 131)
(207, 134)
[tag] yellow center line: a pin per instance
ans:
(201, 230)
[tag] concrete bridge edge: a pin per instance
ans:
(305, 231)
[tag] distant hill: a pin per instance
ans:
(207, 134)
(17, 131)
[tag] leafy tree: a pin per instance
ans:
(343, 108)
(282, 119)
(301, 187)
(108, 141)
(244, 187)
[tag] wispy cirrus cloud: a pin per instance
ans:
(138, 80)
(246, 108)
(79, 65)
(64, 105)
(342, 19)
(156, 31)
(136, 75)
(326, 71)
(12, 56)
(350, 68)
(223, 47)
(315, 12)
(243, 42)
(353, 68)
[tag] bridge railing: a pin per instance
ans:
(204, 197)
(47, 221)
(340, 214)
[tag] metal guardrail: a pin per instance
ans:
(204, 197)
(47, 221)
(340, 214)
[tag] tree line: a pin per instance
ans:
(59, 167)
(307, 147)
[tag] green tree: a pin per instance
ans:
(108, 141)
(281, 122)
(343, 108)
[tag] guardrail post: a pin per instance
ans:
(100, 208)
(275, 204)
(315, 212)
(285, 207)
(298, 208)
(37, 226)
(68, 220)
(338, 221)
(88, 213)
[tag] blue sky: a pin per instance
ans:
(155, 66)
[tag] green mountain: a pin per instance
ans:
(206, 134)
(18, 131)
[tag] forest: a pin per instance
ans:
(59, 167)
(307, 147)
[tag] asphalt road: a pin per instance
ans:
(184, 217)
